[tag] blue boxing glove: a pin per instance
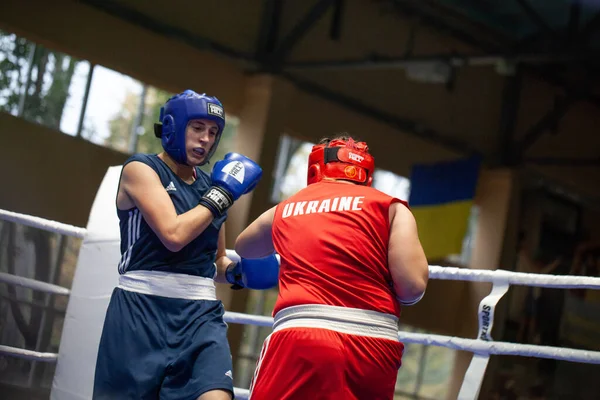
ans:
(255, 273)
(232, 177)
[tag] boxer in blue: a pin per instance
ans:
(164, 335)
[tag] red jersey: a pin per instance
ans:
(332, 238)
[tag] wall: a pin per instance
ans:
(49, 174)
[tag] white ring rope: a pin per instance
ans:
(435, 271)
(41, 223)
(243, 319)
(241, 394)
(514, 278)
(33, 284)
(456, 343)
(27, 354)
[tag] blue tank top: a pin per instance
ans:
(141, 249)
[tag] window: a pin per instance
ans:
(113, 113)
(291, 167)
(36, 82)
(73, 109)
(103, 106)
(391, 184)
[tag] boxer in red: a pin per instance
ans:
(350, 257)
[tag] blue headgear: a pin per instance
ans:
(174, 118)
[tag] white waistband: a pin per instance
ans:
(167, 284)
(352, 321)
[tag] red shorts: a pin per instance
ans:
(314, 363)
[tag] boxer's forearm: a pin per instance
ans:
(222, 263)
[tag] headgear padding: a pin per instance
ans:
(175, 115)
(341, 159)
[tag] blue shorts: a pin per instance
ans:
(157, 347)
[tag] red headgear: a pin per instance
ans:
(340, 159)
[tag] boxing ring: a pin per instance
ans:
(96, 276)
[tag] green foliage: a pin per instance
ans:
(50, 76)
(13, 65)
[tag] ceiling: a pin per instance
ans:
(521, 20)
(352, 53)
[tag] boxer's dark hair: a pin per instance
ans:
(339, 136)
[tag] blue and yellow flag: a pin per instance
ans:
(441, 197)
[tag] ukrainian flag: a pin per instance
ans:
(441, 197)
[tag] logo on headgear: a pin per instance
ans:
(214, 109)
(355, 157)
(350, 171)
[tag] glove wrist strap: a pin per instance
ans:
(233, 274)
(217, 200)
